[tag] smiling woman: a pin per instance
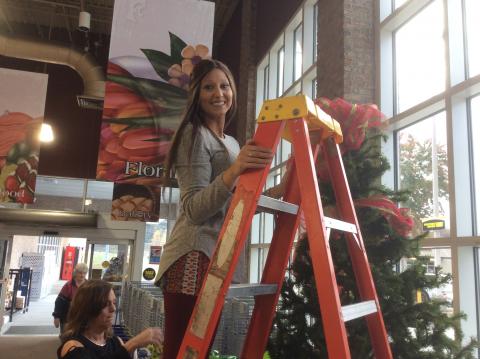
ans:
(207, 164)
(88, 333)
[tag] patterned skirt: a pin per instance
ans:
(186, 274)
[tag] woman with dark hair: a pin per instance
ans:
(88, 332)
(207, 163)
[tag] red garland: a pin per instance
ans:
(356, 120)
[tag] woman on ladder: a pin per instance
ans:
(207, 163)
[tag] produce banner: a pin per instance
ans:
(133, 202)
(153, 48)
(22, 105)
(154, 45)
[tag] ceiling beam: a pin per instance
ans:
(67, 24)
(224, 10)
(54, 3)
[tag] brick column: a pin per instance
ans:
(330, 54)
(359, 47)
(346, 50)
(245, 125)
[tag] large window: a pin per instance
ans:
(292, 58)
(314, 31)
(475, 130)
(280, 69)
(430, 90)
(297, 52)
(423, 171)
(472, 15)
(266, 81)
(420, 57)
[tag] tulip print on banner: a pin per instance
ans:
(153, 49)
(22, 104)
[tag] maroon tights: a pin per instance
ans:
(178, 309)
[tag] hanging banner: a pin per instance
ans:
(153, 48)
(135, 203)
(68, 263)
(22, 105)
(154, 45)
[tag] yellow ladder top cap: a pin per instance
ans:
(300, 106)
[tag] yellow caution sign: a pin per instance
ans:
(433, 224)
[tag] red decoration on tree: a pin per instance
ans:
(398, 218)
(355, 120)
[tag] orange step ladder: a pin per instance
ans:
(310, 130)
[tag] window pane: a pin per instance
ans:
(399, 3)
(265, 82)
(286, 150)
(423, 171)
(281, 65)
(277, 159)
(314, 88)
(254, 265)
(169, 202)
(472, 8)
(297, 55)
(268, 228)
(99, 196)
(440, 261)
(62, 194)
(420, 57)
(315, 28)
(155, 239)
(255, 229)
(475, 120)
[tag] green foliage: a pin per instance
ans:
(416, 176)
(416, 330)
(160, 61)
(216, 355)
(176, 47)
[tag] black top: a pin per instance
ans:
(113, 349)
(62, 303)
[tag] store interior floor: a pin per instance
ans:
(31, 334)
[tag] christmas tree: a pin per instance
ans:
(417, 328)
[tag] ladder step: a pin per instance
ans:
(272, 205)
(340, 225)
(249, 290)
(357, 310)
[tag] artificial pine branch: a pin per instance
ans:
(416, 330)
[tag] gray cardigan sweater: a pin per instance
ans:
(204, 198)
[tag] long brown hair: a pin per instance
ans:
(193, 113)
(89, 300)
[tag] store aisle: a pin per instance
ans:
(37, 321)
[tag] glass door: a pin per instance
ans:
(109, 260)
(5, 245)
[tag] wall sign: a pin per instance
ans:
(149, 273)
